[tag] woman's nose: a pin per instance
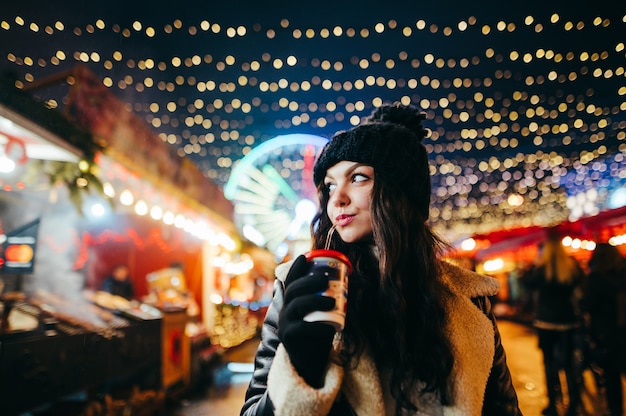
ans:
(339, 198)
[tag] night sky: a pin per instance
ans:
(525, 99)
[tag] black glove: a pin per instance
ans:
(307, 343)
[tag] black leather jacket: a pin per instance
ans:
(500, 398)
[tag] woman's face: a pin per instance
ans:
(350, 187)
(120, 273)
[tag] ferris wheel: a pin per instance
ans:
(272, 190)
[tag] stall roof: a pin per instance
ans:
(595, 228)
(32, 140)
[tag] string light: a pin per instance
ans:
(518, 128)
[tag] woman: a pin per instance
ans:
(556, 278)
(119, 282)
(604, 303)
(419, 336)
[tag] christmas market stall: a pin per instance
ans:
(506, 254)
(54, 342)
(81, 193)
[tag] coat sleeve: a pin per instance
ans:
(257, 401)
(274, 375)
(500, 396)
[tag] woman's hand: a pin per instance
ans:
(307, 343)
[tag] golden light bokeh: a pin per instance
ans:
(529, 105)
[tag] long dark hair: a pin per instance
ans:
(394, 303)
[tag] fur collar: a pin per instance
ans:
(472, 337)
(460, 281)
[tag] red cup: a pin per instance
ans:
(337, 267)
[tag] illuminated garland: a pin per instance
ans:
(514, 102)
(78, 177)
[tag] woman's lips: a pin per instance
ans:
(343, 220)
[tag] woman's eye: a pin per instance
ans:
(330, 186)
(359, 177)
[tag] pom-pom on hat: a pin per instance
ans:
(391, 142)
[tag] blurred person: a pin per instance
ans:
(420, 337)
(604, 304)
(119, 282)
(557, 278)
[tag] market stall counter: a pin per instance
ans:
(51, 348)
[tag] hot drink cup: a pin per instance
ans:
(337, 267)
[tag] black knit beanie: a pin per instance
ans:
(391, 142)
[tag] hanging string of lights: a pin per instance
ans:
(517, 107)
